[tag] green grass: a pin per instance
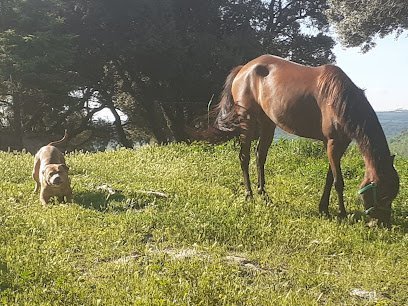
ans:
(203, 244)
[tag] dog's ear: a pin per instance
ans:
(65, 167)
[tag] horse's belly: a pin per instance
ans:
(308, 131)
(301, 117)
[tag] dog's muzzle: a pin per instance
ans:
(56, 180)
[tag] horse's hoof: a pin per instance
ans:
(325, 214)
(267, 199)
(249, 196)
(264, 196)
(342, 215)
(261, 191)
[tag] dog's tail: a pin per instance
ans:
(61, 141)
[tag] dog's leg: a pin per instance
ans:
(36, 173)
(44, 198)
(37, 187)
(69, 195)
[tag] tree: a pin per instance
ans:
(184, 48)
(360, 22)
(159, 62)
(35, 64)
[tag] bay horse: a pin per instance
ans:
(320, 103)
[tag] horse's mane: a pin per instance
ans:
(352, 110)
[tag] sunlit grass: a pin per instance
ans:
(173, 231)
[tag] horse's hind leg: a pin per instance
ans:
(247, 126)
(244, 157)
(267, 130)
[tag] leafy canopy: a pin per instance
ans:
(359, 22)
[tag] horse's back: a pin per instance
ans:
(280, 77)
(285, 91)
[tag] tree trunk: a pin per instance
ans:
(150, 110)
(176, 121)
(17, 123)
(119, 128)
(157, 122)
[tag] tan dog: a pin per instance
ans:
(50, 173)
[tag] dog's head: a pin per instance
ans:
(55, 174)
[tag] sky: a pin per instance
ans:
(382, 71)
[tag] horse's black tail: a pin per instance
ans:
(223, 118)
(223, 121)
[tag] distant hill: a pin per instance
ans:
(399, 144)
(394, 123)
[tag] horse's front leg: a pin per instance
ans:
(335, 150)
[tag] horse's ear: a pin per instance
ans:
(392, 158)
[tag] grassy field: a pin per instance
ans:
(179, 232)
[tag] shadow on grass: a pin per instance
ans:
(5, 279)
(96, 200)
(400, 219)
(100, 201)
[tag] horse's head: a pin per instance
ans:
(378, 195)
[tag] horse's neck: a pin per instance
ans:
(374, 148)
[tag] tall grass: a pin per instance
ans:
(179, 232)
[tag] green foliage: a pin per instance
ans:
(359, 23)
(36, 63)
(166, 57)
(199, 242)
